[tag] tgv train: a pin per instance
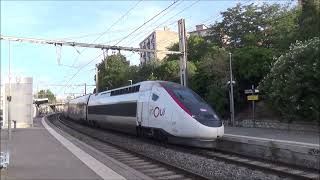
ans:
(160, 109)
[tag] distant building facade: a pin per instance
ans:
(205, 32)
(159, 39)
(201, 30)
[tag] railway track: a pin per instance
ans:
(163, 170)
(281, 169)
(152, 168)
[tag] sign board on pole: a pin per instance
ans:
(253, 98)
(250, 91)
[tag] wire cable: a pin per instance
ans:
(80, 70)
(147, 22)
(102, 34)
(137, 37)
(146, 28)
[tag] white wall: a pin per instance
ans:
(21, 105)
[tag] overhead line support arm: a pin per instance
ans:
(88, 45)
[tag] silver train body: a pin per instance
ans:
(160, 109)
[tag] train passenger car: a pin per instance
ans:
(160, 109)
(77, 108)
(65, 109)
(116, 109)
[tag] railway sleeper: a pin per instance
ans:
(147, 166)
(132, 161)
(123, 156)
(139, 163)
(118, 154)
(176, 176)
(163, 173)
(129, 159)
(154, 170)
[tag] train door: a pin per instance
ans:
(143, 109)
(157, 108)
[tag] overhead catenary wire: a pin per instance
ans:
(151, 30)
(67, 83)
(94, 34)
(109, 28)
(147, 22)
(146, 29)
(159, 18)
(124, 38)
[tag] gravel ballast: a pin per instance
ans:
(212, 168)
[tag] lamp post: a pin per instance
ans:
(231, 91)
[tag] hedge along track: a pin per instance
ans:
(150, 167)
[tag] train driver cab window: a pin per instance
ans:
(155, 97)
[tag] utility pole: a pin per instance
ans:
(9, 96)
(85, 88)
(97, 79)
(183, 50)
(231, 92)
(5, 158)
(253, 106)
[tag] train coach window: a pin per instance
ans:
(127, 90)
(155, 97)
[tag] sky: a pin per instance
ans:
(85, 21)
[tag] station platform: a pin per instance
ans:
(42, 153)
(276, 134)
(293, 147)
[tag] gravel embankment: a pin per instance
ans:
(213, 168)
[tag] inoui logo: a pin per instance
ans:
(158, 112)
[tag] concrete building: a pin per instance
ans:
(201, 30)
(159, 39)
(204, 32)
(21, 105)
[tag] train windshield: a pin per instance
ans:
(193, 104)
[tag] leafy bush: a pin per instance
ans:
(292, 86)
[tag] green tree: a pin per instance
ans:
(309, 24)
(170, 70)
(210, 79)
(250, 65)
(292, 86)
(251, 25)
(113, 72)
(149, 71)
(47, 94)
(197, 47)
